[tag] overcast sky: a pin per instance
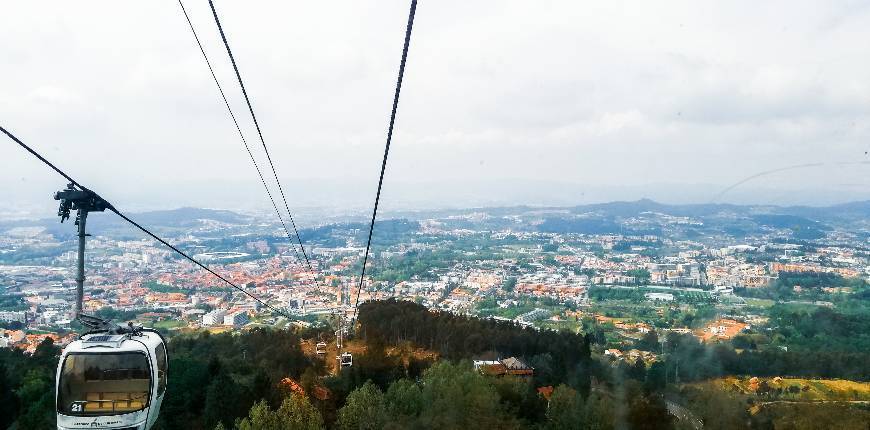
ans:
(504, 102)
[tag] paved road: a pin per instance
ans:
(684, 414)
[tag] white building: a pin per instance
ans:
(665, 297)
(10, 316)
(480, 363)
(214, 317)
(236, 319)
(723, 289)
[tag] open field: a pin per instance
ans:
(798, 389)
(571, 326)
(762, 303)
(795, 403)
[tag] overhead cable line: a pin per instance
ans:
(239, 129)
(257, 125)
(386, 149)
(112, 208)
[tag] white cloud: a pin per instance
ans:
(568, 92)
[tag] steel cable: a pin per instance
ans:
(137, 225)
(386, 150)
(257, 125)
(239, 129)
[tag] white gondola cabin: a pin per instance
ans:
(320, 348)
(112, 381)
(345, 359)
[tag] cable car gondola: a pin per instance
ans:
(320, 348)
(345, 359)
(112, 379)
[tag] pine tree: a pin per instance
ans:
(364, 410)
(565, 409)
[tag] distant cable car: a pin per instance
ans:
(345, 359)
(112, 379)
(320, 348)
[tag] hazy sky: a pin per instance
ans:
(537, 102)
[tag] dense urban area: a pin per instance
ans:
(717, 315)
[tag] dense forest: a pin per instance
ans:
(234, 380)
(558, 356)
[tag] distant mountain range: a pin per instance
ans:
(108, 223)
(634, 208)
(848, 212)
(840, 211)
(640, 217)
(590, 218)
